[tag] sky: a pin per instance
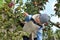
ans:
(49, 9)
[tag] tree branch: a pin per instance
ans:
(57, 24)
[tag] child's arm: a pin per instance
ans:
(27, 17)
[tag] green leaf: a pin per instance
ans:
(8, 1)
(1, 3)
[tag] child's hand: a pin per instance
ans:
(25, 14)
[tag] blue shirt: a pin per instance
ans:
(28, 18)
(39, 32)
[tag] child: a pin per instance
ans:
(38, 19)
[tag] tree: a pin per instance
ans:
(57, 35)
(10, 18)
(57, 9)
(34, 6)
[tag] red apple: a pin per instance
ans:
(11, 4)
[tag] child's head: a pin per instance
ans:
(41, 18)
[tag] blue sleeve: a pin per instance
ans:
(39, 33)
(28, 18)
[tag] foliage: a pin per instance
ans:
(57, 9)
(34, 6)
(57, 35)
(1, 3)
(11, 16)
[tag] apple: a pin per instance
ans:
(11, 4)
